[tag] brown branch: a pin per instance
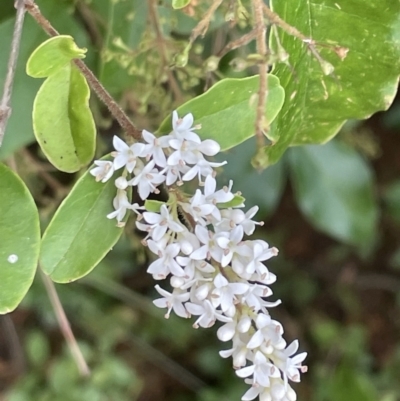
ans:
(261, 29)
(114, 108)
(5, 107)
(202, 26)
(163, 51)
(65, 326)
(234, 44)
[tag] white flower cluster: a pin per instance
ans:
(214, 271)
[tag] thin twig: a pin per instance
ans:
(261, 124)
(163, 51)
(202, 26)
(65, 326)
(5, 107)
(114, 108)
(242, 41)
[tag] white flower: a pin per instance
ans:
(154, 148)
(261, 370)
(121, 205)
(261, 252)
(182, 127)
(172, 301)
(234, 217)
(147, 180)
(198, 208)
(174, 173)
(277, 391)
(208, 314)
(269, 332)
(254, 297)
(210, 247)
(239, 351)
(161, 222)
(166, 263)
(125, 155)
(104, 170)
(224, 294)
(290, 366)
(231, 243)
(202, 168)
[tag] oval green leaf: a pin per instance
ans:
(237, 201)
(177, 4)
(79, 235)
(334, 189)
(62, 120)
(227, 111)
(366, 65)
(19, 239)
(52, 55)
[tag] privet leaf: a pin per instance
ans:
(153, 205)
(52, 55)
(19, 239)
(62, 121)
(19, 131)
(364, 79)
(333, 187)
(227, 111)
(177, 4)
(80, 235)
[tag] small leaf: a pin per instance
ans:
(153, 205)
(227, 111)
(238, 200)
(177, 4)
(79, 235)
(333, 187)
(63, 124)
(52, 55)
(19, 239)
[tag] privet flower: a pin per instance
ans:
(202, 247)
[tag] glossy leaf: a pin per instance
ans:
(80, 235)
(52, 55)
(19, 131)
(19, 239)
(364, 79)
(227, 111)
(333, 187)
(63, 124)
(177, 4)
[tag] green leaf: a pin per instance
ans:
(19, 239)
(235, 202)
(52, 55)
(80, 235)
(153, 205)
(363, 82)
(177, 4)
(19, 131)
(227, 111)
(63, 124)
(334, 189)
